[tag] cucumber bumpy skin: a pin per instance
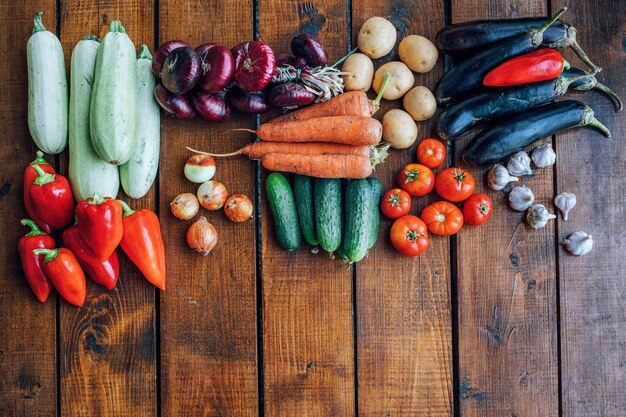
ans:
(283, 207)
(327, 197)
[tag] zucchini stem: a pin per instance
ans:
(91, 38)
(38, 23)
(116, 26)
(144, 52)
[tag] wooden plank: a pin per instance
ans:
(506, 288)
(307, 310)
(107, 348)
(208, 316)
(404, 333)
(27, 333)
(592, 288)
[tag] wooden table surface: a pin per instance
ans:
(497, 321)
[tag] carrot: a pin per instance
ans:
(257, 150)
(321, 166)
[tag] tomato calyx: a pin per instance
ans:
(483, 209)
(411, 175)
(412, 235)
(395, 199)
(460, 175)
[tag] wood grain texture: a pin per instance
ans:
(27, 327)
(593, 287)
(507, 287)
(208, 313)
(307, 298)
(404, 333)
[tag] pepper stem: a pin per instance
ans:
(96, 199)
(566, 65)
(375, 106)
(144, 52)
(91, 38)
(536, 35)
(116, 26)
(38, 24)
(344, 58)
(588, 119)
(34, 229)
(49, 254)
(43, 178)
(127, 210)
(39, 159)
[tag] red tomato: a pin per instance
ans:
(416, 179)
(455, 184)
(431, 152)
(442, 218)
(409, 235)
(395, 203)
(477, 209)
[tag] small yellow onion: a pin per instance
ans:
(238, 208)
(202, 236)
(212, 195)
(199, 168)
(184, 206)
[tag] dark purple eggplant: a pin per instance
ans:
(589, 82)
(178, 106)
(253, 103)
(181, 70)
(217, 67)
(309, 48)
(211, 106)
(290, 95)
(162, 52)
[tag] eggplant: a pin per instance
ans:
(515, 133)
(494, 102)
(589, 82)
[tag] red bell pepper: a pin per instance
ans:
(540, 65)
(100, 225)
(33, 264)
(29, 177)
(61, 266)
(143, 243)
(52, 198)
(104, 273)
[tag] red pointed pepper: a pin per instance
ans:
(52, 198)
(100, 225)
(61, 266)
(33, 264)
(29, 177)
(540, 65)
(143, 243)
(104, 273)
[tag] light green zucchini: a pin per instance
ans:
(113, 112)
(138, 174)
(47, 89)
(88, 173)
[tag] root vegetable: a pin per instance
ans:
(199, 168)
(377, 37)
(420, 103)
(320, 166)
(202, 236)
(418, 53)
(401, 80)
(238, 208)
(361, 73)
(185, 206)
(212, 195)
(399, 129)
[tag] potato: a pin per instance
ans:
(418, 53)
(399, 129)
(377, 37)
(400, 82)
(361, 70)
(420, 103)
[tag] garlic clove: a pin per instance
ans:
(578, 243)
(519, 164)
(565, 202)
(521, 198)
(538, 216)
(543, 155)
(498, 177)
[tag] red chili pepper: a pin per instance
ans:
(100, 225)
(29, 177)
(540, 65)
(104, 273)
(33, 264)
(143, 243)
(61, 266)
(51, 197)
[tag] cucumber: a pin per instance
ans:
(138, 174)
(113, 112)
(376, 189)
(88, 173)
(327, 197)
(47, 89)
(303, 192)
(283, 207)
(358, 212)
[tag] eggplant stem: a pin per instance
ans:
(344, 58)
(219, 155)
(536, 35)
(612, 95)
(582, 55)
(588, 119)
(38, 23)
(566, 65)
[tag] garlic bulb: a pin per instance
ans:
(520, 198)
(565, 202)
(519, 164)
(543, 156)
(498, 177)
(538, 216)
(578, 243)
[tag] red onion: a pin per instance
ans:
(290, 95)
(162, 52)
(181, 70)
(254, 65)
(211, 106)
(253, 103)
(177, 106)
(283, 60)
(217, 67)
(309, 48)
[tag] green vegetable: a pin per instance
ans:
(88, 173)
(358, 210)
(376, 189)
(303, 192)
(327, 197)
(283, 207)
